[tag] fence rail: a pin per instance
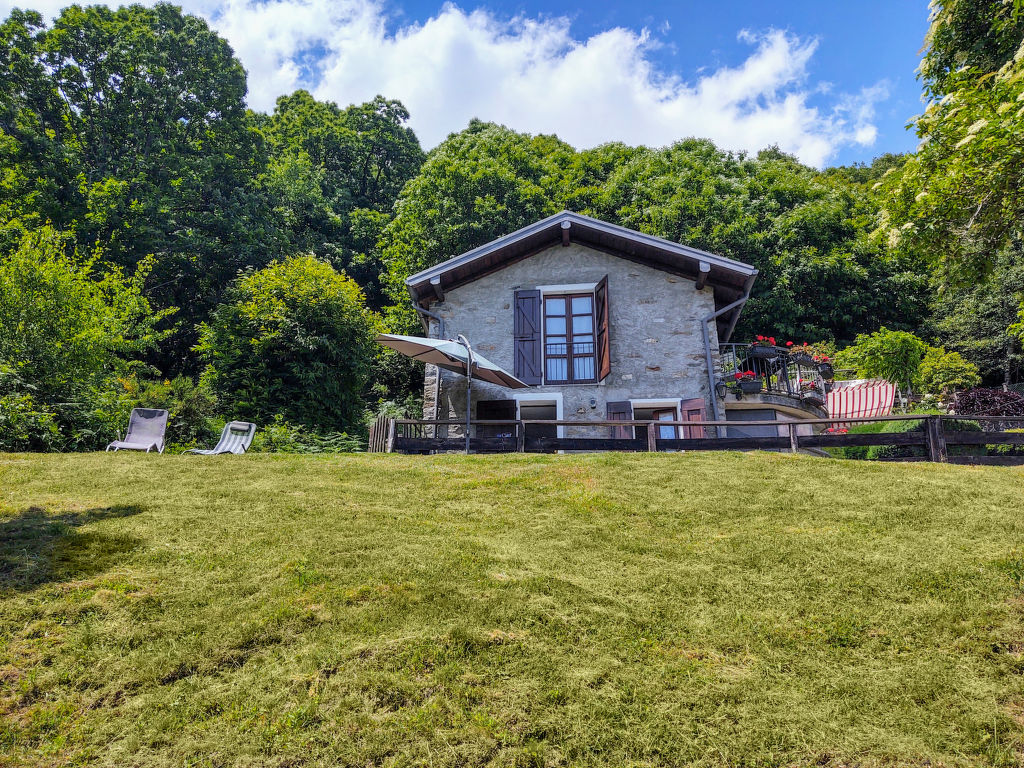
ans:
(935, 442)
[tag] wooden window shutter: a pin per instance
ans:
(692, 410)
(604, 357)
(620, 410)
(526, 330)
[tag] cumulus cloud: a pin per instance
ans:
(534, 75)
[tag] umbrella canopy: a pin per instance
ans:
(452, 356)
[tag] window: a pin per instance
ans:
(570, 354)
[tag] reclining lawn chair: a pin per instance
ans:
(146, 429)
(236, 438)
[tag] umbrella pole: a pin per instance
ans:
(469, 385)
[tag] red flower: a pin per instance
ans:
(771, 339)
(737, 375)
(750, 373)
(789, 343)
(760, 338)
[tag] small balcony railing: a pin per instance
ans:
(779, 372)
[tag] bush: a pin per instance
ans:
(294, 339)
(919, 425)
(281, 437)
(943, 373)
(24, 425)
(982, 401)
(1002, 449)
(891, 355)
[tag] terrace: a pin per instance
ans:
(773, 375)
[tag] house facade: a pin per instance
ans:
(602, 323)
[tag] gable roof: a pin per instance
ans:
(730, 280)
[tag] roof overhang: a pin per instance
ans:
(729, 279)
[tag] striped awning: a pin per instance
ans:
(860, 399)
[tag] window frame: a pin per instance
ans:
(569, 356)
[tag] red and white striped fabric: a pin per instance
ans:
(860, 398)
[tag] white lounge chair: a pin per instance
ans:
(236, 438)
(146, 429)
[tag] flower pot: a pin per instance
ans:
(813, 398)
(758, 350)
(751, 386)
(826, 370)
(801, 358)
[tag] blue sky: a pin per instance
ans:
(860, 44)
(828, 81)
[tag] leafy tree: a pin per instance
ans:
(294, 339)
(66, 336)
(474, 187)
(334, 175)
(891, 355)
(129, 128)
(943, 373)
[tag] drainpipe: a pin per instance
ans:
(737, 306)
(440, 335)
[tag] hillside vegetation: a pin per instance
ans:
(698, 609)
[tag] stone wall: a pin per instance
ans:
(656, 343)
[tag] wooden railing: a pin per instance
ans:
(419, 435)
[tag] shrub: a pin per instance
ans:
(982, 401)
(919, 425)
(294, 339)
(943, 373)
(891, 355)
(281, 437)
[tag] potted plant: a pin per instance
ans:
(800, 355)
(825, 367)
(810, 392)
(764, 347)
(748, 382)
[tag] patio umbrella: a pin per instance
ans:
(452, 355)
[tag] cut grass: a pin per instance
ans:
(697, 609)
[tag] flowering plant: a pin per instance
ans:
(837, 430)
(809, 384)
(764, 341)
(744, 376)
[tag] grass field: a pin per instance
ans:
(704, 609)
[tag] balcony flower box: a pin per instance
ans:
(826, 370)
(751, 386)
(801, 358)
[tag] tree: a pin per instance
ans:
(334, 175)
(891, 355)
(294, 339)
(129, 128)
(474, 187)
(66, 335)
(943, 373)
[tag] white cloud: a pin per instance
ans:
(533, 75)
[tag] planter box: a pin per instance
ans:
(768, 353)
(813, 398)
(801, 358)
(751, 386)
(826, 370)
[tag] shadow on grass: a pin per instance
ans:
(37, 547)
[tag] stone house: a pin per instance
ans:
(603, 323)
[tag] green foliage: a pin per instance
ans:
(334, 175)
(279, 436)
(891, 355)
(295, 340)
(66, 335)
(943, 373)
(24, 425)
(129, 128)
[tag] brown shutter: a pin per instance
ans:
(604, 358)
(620, 410)
(526, 330)
(692, 410)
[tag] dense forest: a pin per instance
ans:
(162, 244)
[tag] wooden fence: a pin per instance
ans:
(935, 441)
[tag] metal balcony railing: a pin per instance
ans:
(779, 372)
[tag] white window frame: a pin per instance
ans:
(542, 398)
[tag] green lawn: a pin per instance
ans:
(698, 609)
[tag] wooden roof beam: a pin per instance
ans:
(702, 276)
(435, 283)
(565, 232)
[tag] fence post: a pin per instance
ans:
(794, 439)
(652, 437)
(936, 440)
(389, 445)
(520, 437)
